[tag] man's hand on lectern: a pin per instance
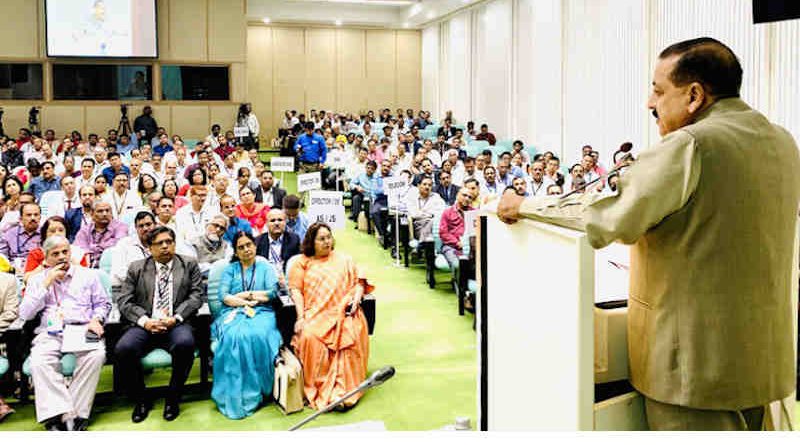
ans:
(508, 207)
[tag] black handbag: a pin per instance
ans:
(368, 306)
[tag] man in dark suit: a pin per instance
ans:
(277, 245)
(268, 192)
(159, 296)
(446, 189)
(75, 217)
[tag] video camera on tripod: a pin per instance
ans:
(2, 131)
(33, 119)
(124, 127)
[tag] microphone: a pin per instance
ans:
(378, 377)
(620, 165)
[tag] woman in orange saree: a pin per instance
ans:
(331, 338)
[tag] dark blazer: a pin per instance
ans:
(289, 248)
(450, 196)
(278, 195)
(74, 218)
(136, 296)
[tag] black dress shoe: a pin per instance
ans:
(80, 424)
(55, 424)
(140, 411)
(171, 410)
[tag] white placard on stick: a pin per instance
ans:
(279, 164)
(241, 132)
(327, 207)
(337, 158)
(392, 188)
(309, 181)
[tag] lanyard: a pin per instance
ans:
(20, 246)
(194, 221)
(276, 255)
(247, 288)
(536, 190)
(119, 207)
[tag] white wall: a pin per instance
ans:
(559, 74)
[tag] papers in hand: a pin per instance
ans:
(74, 339)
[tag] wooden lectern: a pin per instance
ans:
(548, 354)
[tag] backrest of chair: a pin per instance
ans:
(105, 260)
(437, 241)
(105, 280)
(214, 279)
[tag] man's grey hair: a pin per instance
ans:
(53, 242)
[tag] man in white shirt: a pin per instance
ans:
(356, 167)
(131, 248)
(192, 219)
(123, 201)
(136, 171)
(422, 205)
(538, 181)
(401, 158)
(220, 186)
(87, 173)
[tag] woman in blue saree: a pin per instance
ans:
(246, 332)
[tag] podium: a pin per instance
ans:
(550, 359)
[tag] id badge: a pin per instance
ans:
(249, 311)
(55, 322)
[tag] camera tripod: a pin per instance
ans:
(124, 126)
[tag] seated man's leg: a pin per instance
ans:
(423, 229)
(85, 379)
(52, 396)
(131, 347)
(355, 206)
(666, 417)
(181, 347)
(451, 255)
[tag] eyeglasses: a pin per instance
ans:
(166, 242)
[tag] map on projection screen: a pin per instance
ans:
(101, 28)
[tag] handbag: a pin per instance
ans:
(362, 221)
(368, 306)
(288, 386)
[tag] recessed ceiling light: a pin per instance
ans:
(265, 20)
(431, 15)
(405, 25)
(338, 22)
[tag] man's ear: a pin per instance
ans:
(697, 97)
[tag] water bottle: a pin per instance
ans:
(462, 424)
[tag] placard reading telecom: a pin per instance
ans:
(241, 132)
(281, 164)
(327, 207)
(309, 181)
(392, 188)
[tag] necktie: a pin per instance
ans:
(162, 306)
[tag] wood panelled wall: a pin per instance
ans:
(190, 32)
(341, 69)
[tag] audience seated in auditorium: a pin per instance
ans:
(423, 204)
(246, 331)
(254, 212)
(268, 193)
(379, 203)
(360, 188)
(65, 295)
(277, 244)
(331, 338)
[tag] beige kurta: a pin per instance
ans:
(711, 211)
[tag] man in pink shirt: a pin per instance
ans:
(451, 228)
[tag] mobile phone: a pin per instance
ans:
(91, 337)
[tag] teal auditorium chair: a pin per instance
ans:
(435, 260)
(507, 143)
(3, 366)
(214, 303)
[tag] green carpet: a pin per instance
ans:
(418, 331)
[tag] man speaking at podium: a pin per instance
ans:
(711, 211)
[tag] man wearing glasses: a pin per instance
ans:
(158, 298)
